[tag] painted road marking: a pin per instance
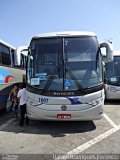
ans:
(90, 143)
(110, 121)
(86, 145)
(6, 124)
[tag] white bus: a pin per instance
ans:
(10, 71)
(21, 56)
(112, 78)
(65, 76)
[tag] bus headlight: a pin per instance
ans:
(32, 101)
(96, 102)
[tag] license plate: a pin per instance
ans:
(63, 116)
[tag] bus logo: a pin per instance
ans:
(5, 76)
(64, 108)
(63, 93)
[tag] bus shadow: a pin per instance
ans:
(2, 112)
(112, 102)
(53, 128)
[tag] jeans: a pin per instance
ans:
(22, 115)
(15, 109)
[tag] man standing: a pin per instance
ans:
(22, 99)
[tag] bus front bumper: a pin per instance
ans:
(93, 113)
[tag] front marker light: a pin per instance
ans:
(32, 101)
(96, 102)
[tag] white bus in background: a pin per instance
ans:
(10, 71)
(65, 76)
(112, 78)
(21, 56)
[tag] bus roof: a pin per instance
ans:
(115, 53)
(21, 49)
(6, 44)
(65, 34)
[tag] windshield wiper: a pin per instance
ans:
(57, 71)
(51, 78)
(75, 79)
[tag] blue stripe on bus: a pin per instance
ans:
(74, 100)
(3, 98)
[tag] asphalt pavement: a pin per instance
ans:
(49, 138)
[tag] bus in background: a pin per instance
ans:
(21, 59)
(112, 77)
(10, 71)
(65, 76)
(21, 56)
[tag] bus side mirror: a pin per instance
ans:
(20, 53)
(109, 50)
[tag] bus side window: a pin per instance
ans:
(22, 65)
(0, 53)
(5, 55)
(23, 61)
(12, 58)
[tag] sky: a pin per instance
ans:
(20, 20)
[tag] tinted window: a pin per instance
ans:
(65, 64)
(23, 61)
(0, 53)
(4, 55)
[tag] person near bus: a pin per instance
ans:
(14, 99)
(22, 99)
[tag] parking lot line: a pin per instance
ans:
(90, 143)
(6, 124)
(110, 121)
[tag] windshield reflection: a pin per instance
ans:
(113, 71)
(65, 63)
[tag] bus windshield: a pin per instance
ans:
(69, 63)
(112, 71)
